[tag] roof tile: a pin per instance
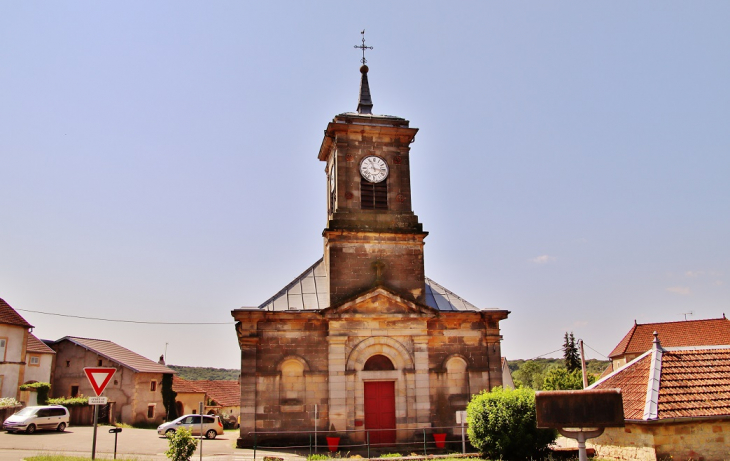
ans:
(119, 354)
(708, 332)
(9, 316)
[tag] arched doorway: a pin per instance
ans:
(379, 401)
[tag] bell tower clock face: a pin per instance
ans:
(374, 169)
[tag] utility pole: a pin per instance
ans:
(583, 364)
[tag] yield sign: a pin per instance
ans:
(99, 377)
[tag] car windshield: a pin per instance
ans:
(27, 411)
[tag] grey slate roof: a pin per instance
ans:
(119, 354)
(310, 292)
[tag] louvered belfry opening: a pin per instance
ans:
(373, 196)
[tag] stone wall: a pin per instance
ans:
(698, 440)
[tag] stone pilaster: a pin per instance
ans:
(420, 357)
(337, 383)
(248, 389)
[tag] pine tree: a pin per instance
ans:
(570, 353)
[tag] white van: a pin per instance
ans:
(30, 419)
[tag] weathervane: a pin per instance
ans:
(363, 47)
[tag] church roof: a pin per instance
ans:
(310, 292)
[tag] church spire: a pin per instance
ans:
(364, 102)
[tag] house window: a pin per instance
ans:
(151, 410)
(34, 361)
(98, 363)
(373, 196)
(68, 363)
(3, 346)
(74, 391)
(153, 385)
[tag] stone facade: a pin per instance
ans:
(307, 359)
(130, 393)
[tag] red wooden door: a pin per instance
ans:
(380, 410)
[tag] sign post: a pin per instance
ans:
(201, 430)
(99, 378)
(461, 419)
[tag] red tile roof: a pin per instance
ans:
(183, 385)
(119, 354)
(632, 380)
(694, 382)
(9, 316)
(36, 346)
(709, 332)
(224, 393)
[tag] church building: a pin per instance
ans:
(362, 344)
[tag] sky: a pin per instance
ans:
(159, 160)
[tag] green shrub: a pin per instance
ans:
(70, 402)
(9, 402)
(182, 445)
(502, 425)
(318, 457)
(42, 390)
(391, 455)
(168, 397)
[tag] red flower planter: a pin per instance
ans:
(333, 443)
(440, 440)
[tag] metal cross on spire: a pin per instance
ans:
(363, 47)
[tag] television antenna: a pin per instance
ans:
(687, 313)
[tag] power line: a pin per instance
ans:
(126, 321)
(589, 347)
(547, 353)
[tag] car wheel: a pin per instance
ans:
(30, 429)
(210, 434)
(61, 427)
(169, 431)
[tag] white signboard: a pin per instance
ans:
(460, 417)
(98, 400)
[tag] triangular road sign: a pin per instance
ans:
(99, 377)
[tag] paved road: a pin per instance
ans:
(140, 444)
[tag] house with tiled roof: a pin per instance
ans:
(221, 397)
(39, 360)
(14, 331)
(676, 405)
(135, 390)
(707, 332)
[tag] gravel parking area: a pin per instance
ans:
(141, 444)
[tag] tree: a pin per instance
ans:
(168, 396)
(570, 353)
(530, 374)
(559, 379)
(503, 425)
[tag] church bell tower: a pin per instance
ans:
(372, 237)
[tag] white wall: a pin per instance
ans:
(40, 373)
(12, 364)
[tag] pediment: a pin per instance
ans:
(379, 301)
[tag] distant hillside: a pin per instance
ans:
(593, 366)
(206, 373)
